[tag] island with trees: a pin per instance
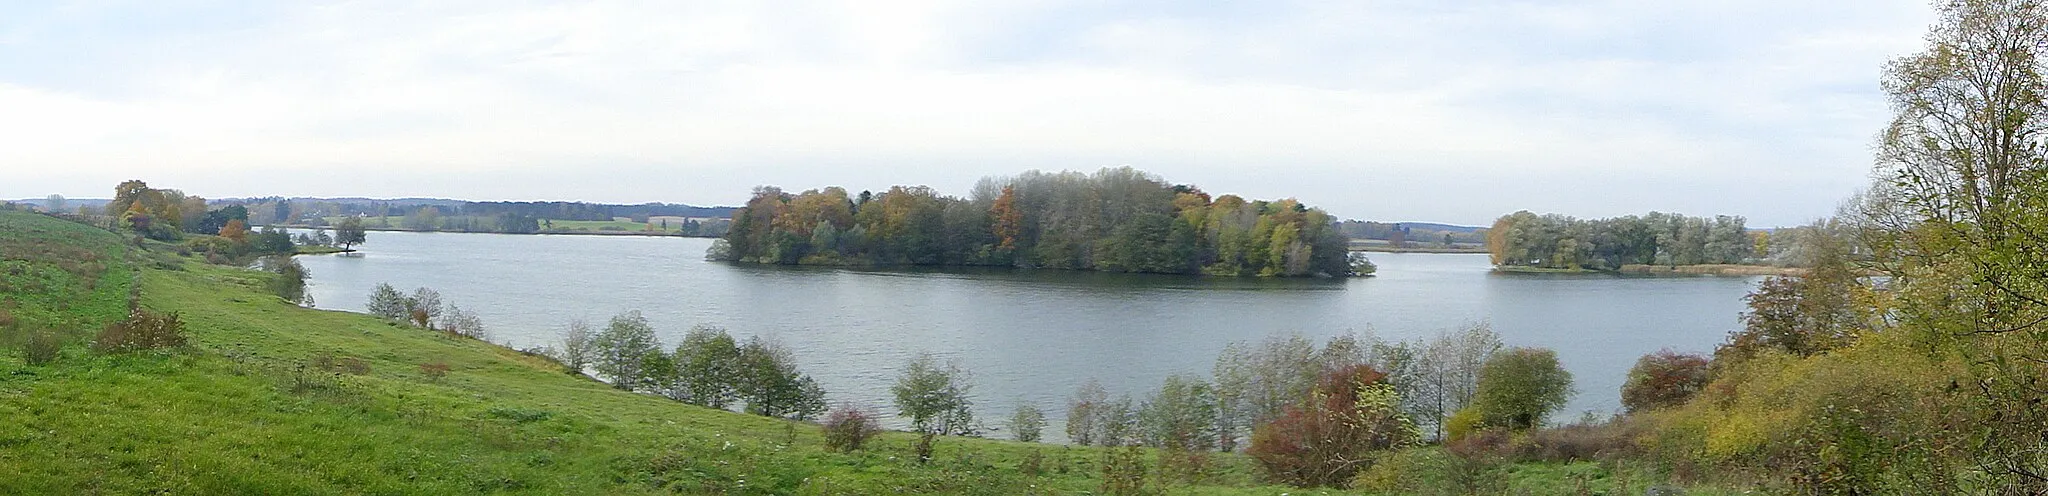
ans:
(1117, 220)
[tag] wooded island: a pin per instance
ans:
(1117, 219)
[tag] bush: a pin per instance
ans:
(1520, 387)
(1434, 471)
(1123, 471)
(1581, 441)
(848, 428)
(142, 330)
(1348, 419)
(1663, 379)
(289, 282)
(1027, 424)
(41, 347)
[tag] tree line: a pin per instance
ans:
(1117, 219)
(1552, 241)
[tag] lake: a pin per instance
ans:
(1031, 336)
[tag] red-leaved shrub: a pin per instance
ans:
(1347, 421)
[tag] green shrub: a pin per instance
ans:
(1520, 387)
(1123, 472)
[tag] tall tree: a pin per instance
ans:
(350, 233)
(622, 349)
(1965, 209)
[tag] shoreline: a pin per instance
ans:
(1389, 249)
(1713, 270)
(537, 233)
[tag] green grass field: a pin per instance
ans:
(242, 409)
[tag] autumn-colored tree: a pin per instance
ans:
(1663, 379)
(236, 231)
(1009, 221)
(1350, 418)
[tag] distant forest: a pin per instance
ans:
(1551, 241)
(1117, 219)
(495, 217)
(1413, 234)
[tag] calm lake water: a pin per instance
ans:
(1029, 335)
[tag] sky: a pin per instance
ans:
(1447, 111)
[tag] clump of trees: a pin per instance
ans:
(423, 309)
(1318, 414)
(1118, 219)
(1552, 241)
(289, 281)
(707, 368)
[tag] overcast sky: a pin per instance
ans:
(1392, 110)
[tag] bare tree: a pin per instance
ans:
(577, 346)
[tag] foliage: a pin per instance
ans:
(935, 398)
(39, 346)
(423, 308)
(146, 211)
(1442, 376)
(1520, 387)
(577, 347)
(1027, 423)
(290, 280)
(1256, 383)
(1084, 413)
(707, 368)
(1351, 417)
(350, 233)
(143, 330)
(1118, 219)
(1524, 239)
(770, 383)
(386, 302)
(1181, 416)
(464, 323)
(848, 428)
(1663, 379)
(622, 348)
(1801, 315)
(1123, 472)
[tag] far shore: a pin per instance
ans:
(1736, 270)
(542, 232)
(1379, 248)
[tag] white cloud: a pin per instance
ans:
(1484, 100)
